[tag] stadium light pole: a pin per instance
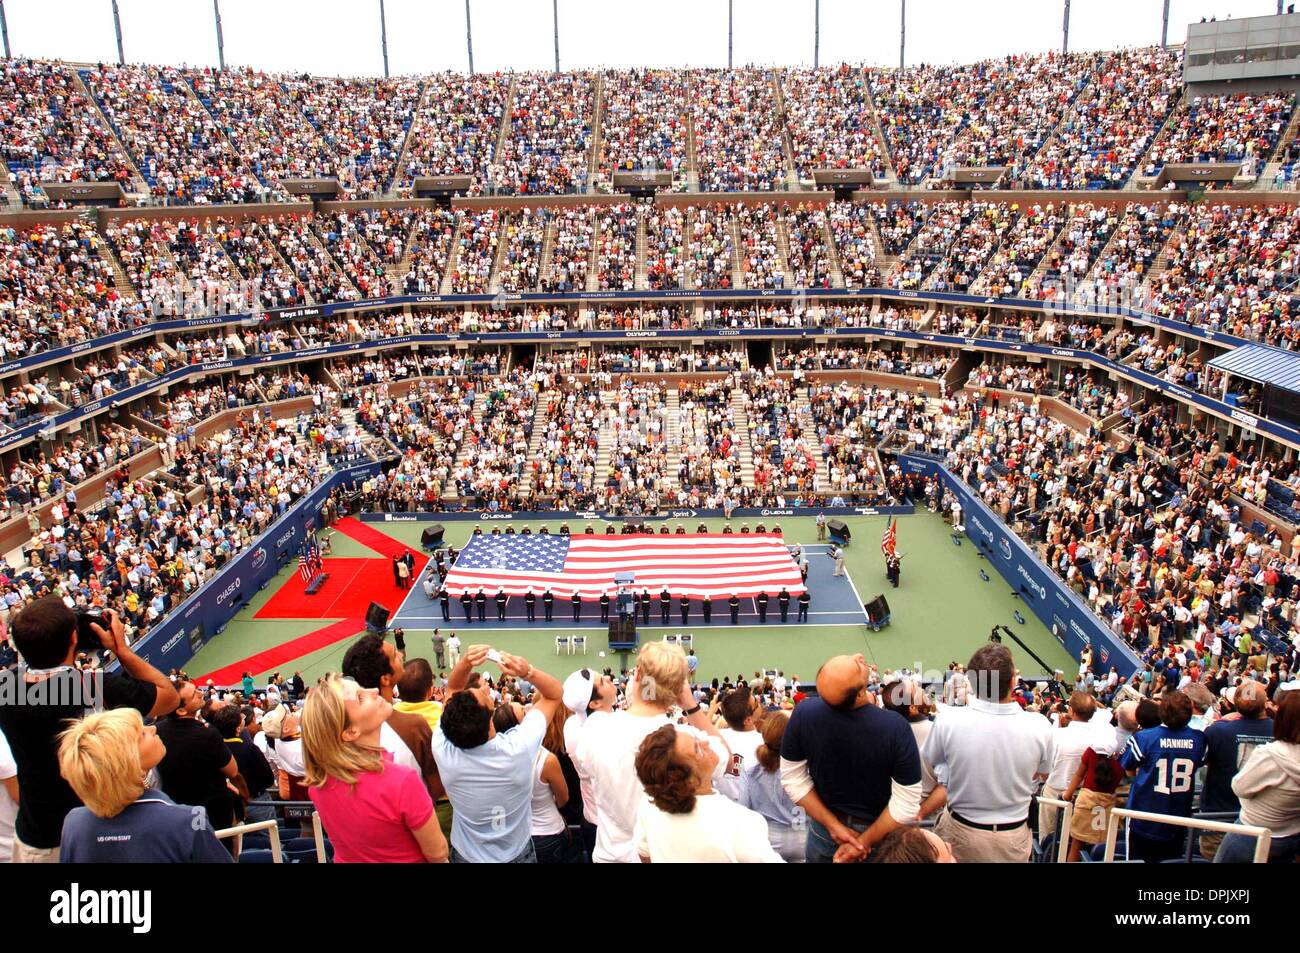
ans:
(1065, 29)
(117, 27)
(383, 36)
(817, 30)
(1164, 27)
(730, 11)
(4, 28)
(902, 33)
(221, 46)
(555, 23)
(469, 39)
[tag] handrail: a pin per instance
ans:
(272, 827)
(1263, 836)
(1062, 826)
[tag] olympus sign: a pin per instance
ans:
(171, 643)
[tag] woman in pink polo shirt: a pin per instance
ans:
(374, 811)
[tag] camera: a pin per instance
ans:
(87, 639)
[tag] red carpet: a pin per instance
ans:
(279, 655)
(381, 543)
(348, 592)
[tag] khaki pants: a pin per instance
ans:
(34, 855)
(973, 846)
(1048, 814)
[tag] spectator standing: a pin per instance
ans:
(8, 800)
(1268, 787)
(852, 767)
(1229, 743)
(375, 810)
(1163, 760)
(197, 765)
(104, 757)
(45, 632)
(609, 741)
(489, 776)
(988, 755)
(682, 819)
(1074, 736)
(762, 791)
(740, 709)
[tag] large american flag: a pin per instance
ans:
(694, 565)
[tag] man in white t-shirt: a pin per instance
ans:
(740, 709)
(585, 692)
(609, 741)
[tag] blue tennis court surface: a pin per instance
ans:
(834, 602)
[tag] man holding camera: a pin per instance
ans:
(47, 634)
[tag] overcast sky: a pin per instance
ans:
(342, 37)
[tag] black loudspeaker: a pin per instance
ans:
(838, 528)
(877, 609)
(377, 616)
(622, 634)
(431, 538)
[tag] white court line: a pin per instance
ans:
(856, 595)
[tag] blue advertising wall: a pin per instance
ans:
(1056, 605)
(205, 614)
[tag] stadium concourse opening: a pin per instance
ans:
(943, 608)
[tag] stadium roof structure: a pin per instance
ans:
(1262, 364)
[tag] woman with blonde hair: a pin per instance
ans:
(104, 757)
(374, 810)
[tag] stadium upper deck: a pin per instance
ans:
(1053, 121)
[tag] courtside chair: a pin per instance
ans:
(577, 642)
(563, 645)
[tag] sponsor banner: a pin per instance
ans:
(206, 613)
(562, 516)
(176, 324)
(1057, 607)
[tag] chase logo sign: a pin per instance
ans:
(288, 534)
(229, 591)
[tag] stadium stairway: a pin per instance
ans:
(833, 253)
(881, 144)
(783, 252)
(640, 280)
(737, 271)
(744, 438)
(120, 280)
(462, 455)
(593, 262)
(597, 131)
(548, 247)
(140, 183)
(605, 448)
(507, 107)
(453, 254)
(494, 277)
(398, 271)
(320, 246)
(541, 417)
(399, 168)
(1265, 181)
(804, 417)
(787, 146)
(692, 168)
(673, 402)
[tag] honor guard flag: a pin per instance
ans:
(889, 541)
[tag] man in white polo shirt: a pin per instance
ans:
(607, 747)
(1076, 735)
(987, 756)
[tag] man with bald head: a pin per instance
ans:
(851, 767)
(1228, 744)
